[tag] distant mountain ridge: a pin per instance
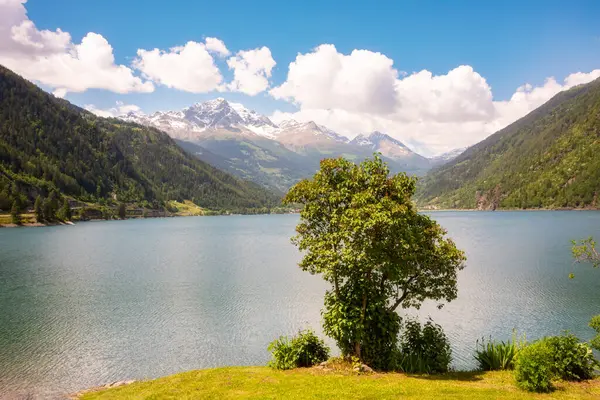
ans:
(252, 146)
(548, 159)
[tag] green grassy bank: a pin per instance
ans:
(266, 383)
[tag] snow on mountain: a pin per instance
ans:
(378, 141)
(210, 115)
(293, 127)
(447, 156)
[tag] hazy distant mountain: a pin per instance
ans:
(392, 149)
(250, 145)
(446, 157)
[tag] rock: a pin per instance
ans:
(323, 364)
(363, 368)
(118, 383)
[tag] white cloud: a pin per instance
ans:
(251, 70)
(190, 67)
(217, 46)
(51, 58)
(119, 109)
(362, 92)
(363, 81)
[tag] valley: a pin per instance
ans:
(251, 146)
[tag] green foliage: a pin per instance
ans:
(549, 158)
(38, 209)
(555, 357)
(584, 251)
(595, 325)
(572, 359)
(533, 367)
(494, 355)
(423, 348)
(47, 144)
(361, 232)
(14, 214)
(64, 213)
(302, 350)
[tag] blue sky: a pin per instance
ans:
(508, 43)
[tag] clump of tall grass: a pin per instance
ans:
(493, 355)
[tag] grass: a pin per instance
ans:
(6, 219)
(304, 383)
(187, 208)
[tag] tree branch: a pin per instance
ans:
(404, 292)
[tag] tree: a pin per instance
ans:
(362, 233)
(64, 213)
(122, 211)
(14, 213)
(585, 251)
(49, 209)
(38, 209)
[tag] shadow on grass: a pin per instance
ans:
(464, 376)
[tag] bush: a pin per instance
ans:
(572, 359)
(562, 357)
(423, 348)
(303, 350)
(533, 367)
(595, 325)
(494, 356)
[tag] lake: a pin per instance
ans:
(98, 302)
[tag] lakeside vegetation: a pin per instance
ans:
(313, 383)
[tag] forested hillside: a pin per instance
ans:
(548, 159)
(49, 145)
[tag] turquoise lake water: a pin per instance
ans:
(104, 301)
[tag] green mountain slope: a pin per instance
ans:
(48, 144)
(548, 159)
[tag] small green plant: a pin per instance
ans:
(423, 348)
(494, 355)
(533, 367)
(302, 350)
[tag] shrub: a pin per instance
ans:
(572, 359)
(563, 357)
(533, 367)
(595, 325)
(303, 350)
(494, 356)
(423, 348)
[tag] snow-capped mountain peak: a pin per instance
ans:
(292, 126)
(209, 115)
(375, 139)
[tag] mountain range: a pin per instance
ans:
(247, 144)
(548, 159)
(48, 146)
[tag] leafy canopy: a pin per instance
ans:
(361, 232)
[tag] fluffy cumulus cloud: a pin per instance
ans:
(119, 109)
(51, 57)
(363, 81)
(251, 70)
(190, 67)
(362, 91)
